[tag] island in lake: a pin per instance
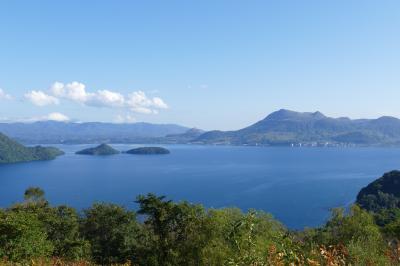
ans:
(14, 152)
(148, 151)
(102, 149)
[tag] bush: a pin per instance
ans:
(23, 237)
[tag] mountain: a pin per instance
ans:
(285, 127)
(13, 152)
(185, 137)
(102, 149)
(60, 132)
(383, 193)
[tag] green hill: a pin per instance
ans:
(14, 152)
(383, 193)
(149, 150)
(102, 149)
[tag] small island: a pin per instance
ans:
(14, 152)
(102, 149)
(148, 151)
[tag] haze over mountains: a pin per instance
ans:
(283, 127)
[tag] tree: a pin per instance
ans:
(62, 227)
(358, 232)
(22, 236)
(179, 231)
(35, 195)
(61, 224)
(112, 232)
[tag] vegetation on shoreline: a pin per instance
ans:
(13, 152)
(163, 232)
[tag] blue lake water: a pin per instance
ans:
(297, 185)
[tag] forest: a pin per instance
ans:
(163, 232)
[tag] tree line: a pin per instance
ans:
(165, 233)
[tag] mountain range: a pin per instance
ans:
(53, 132)
(283, 127)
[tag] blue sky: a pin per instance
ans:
(209, 64)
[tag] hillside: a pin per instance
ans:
(13, 152)
(285, 127)
(102, 149)
(185, 137)
(383, 193)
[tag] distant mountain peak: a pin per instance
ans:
(281, 114)
(288, 114)
(387, 118)
(318, 114)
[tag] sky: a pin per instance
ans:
(210, 64)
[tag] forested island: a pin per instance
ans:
(163, 232)
(148, 151)
(14, 152)
(101, 150)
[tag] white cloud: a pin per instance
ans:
(124, 119)
(137, 101)
(106, 98)
(4, 95)
(57, 117)
(74, 91)
(159, 103)
(141, 110)
(40, 98)
(140, 103)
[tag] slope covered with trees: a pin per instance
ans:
(13, 152)
(163, 232)
(383, 193)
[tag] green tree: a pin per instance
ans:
(112, 232)
(358, 232)
(22, 236)
(62, 227)
(35, 196)
(179, 230)
(61, 224)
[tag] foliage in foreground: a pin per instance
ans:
(165, 233)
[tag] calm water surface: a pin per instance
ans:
(297, 185)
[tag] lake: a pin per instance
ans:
(298, 186)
